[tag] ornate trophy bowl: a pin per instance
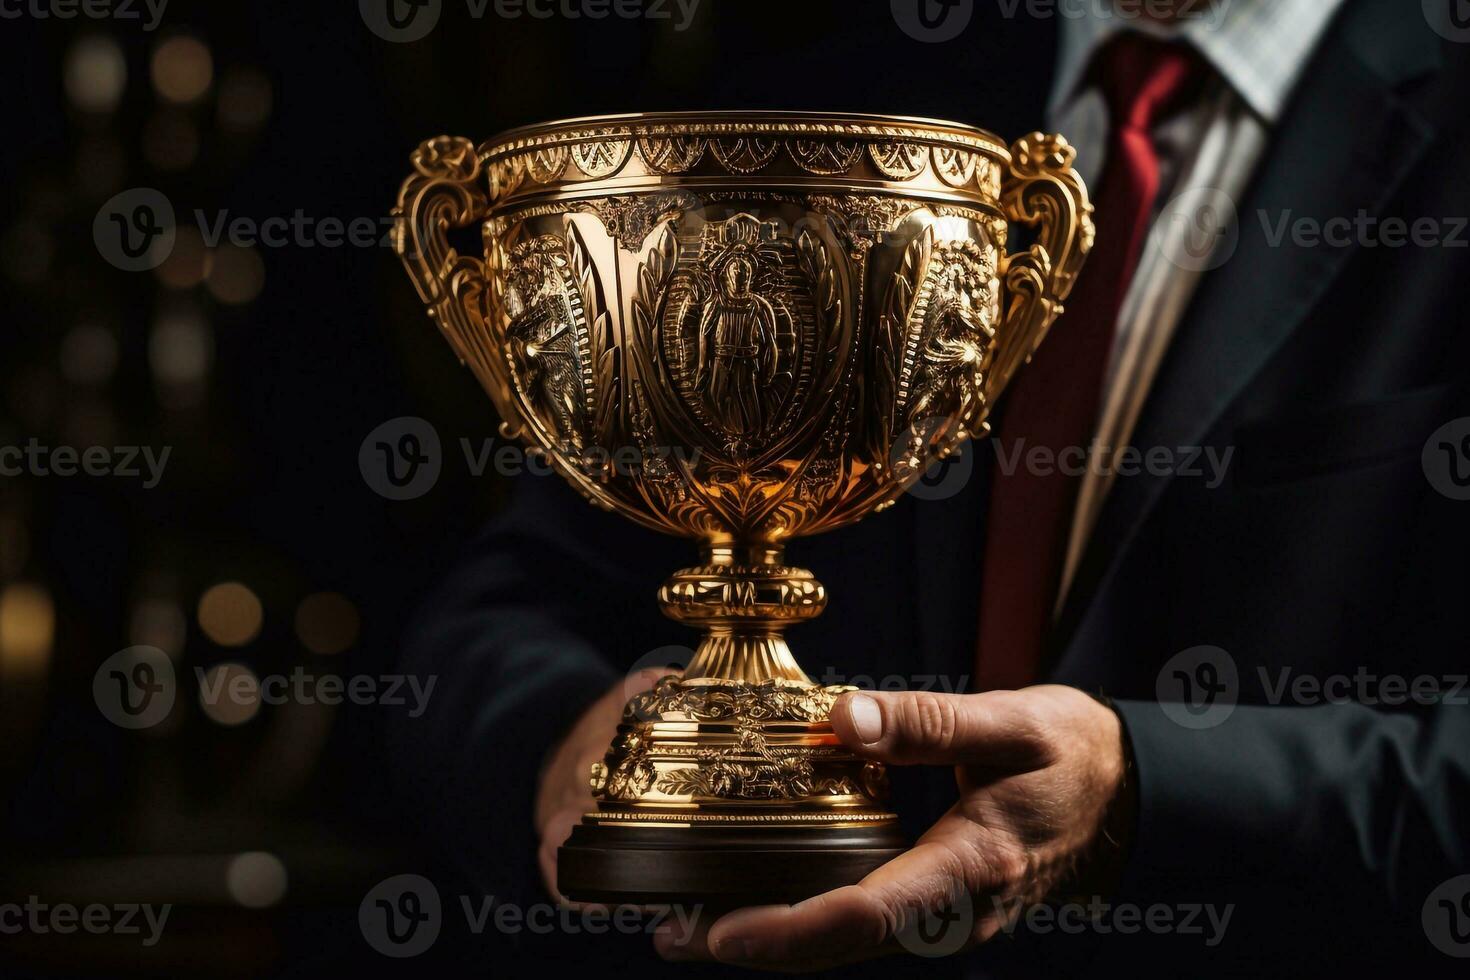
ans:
(741, 327)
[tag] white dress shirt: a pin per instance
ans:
(1208, 153)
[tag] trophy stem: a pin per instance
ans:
(744, 597)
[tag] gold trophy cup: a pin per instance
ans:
(810, 308)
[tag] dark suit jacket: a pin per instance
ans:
(1326, 551)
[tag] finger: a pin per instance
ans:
(859, 921)
(998, 728)
(558, 829)
(682, 939)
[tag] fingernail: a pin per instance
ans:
(867, 718)
(734, 950)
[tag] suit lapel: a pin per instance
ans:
(1345, 146)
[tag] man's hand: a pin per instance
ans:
(1037, 769)
(565, 792)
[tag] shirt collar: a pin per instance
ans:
(1258, 46)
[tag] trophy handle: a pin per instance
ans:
(445, 191)
(1040, 191)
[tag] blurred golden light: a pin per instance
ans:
(179, 347)
(27, 630)
(326, 623)
(188, 263)
(256, 879)
(158, 623)
(230, 614)
(88, 354)
(182, 70)
(244, 99)
(170, 140)
(229, 694)
(237, 274)
(94, 74)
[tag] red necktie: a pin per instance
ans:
(1054, 401)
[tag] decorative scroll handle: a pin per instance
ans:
(446, 191)
(1042, 191)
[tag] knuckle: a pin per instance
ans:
(933, 721)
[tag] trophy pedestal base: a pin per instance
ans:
(721, 866)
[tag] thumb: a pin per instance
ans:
(997, 728)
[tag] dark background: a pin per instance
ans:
(262, 370)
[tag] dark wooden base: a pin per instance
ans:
(721, 866)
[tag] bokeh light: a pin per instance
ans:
(182, 70)
(94, 74)
(327, 623)
(229, 694)
(188, 263)
(256, 879)
(27, 630)
(237, 274)
(180, 347)
(230, 614)
(88, 354)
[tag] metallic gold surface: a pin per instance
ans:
(742, 327)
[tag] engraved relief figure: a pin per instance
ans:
(737, 351)
(732, 331)
(543, 337)
(958, 329)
